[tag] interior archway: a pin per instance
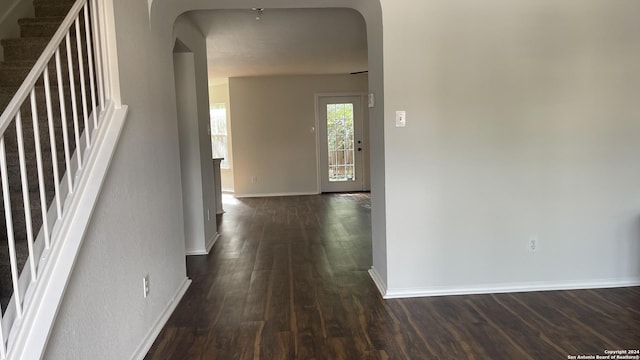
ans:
(163, 14)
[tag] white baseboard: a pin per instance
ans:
(275, 194)
(377, 279)
(212, 242)
(206, 249)
(153, 333)
(506, 288)
(195, 252)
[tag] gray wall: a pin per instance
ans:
(523, 120)
(137, 227)
(10, 12)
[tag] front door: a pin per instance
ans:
(341, 143)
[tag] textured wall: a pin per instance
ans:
(10, 12)
(523, 121)
(137, 226)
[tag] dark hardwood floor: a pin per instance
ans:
(288, 280)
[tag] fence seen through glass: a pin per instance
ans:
(341, 142)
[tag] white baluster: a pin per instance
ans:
(41, 186)
(52, 140)
(74, 102)
(10, 234)
(83, 88)
(90, 53)
(65, 132)
(98, 53)
(25, 195)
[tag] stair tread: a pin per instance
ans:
(11, 89)
(21, 65)
(17, 64)
(25, 39)
(53, 2)
(42, 20)
(57, 3)
(48, 8)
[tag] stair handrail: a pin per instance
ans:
(49, 52)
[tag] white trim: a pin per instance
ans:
(153, 333)
(340, 94)
(319, 172)
(377, 279)
(509, 288)
(207, 248)
(195, 252)
(317, 133)
(239, 196)
(109, 43)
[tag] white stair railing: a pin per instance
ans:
(73, 62)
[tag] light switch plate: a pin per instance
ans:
(401, 118)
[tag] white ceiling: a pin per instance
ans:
(283, 41)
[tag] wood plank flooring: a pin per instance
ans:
(288, 280)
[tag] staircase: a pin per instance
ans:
(20, 56)
(57, 136)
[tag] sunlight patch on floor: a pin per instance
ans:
(229, 199)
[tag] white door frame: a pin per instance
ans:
(365, 135)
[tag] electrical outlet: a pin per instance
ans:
(145, 285)
(532, 244)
